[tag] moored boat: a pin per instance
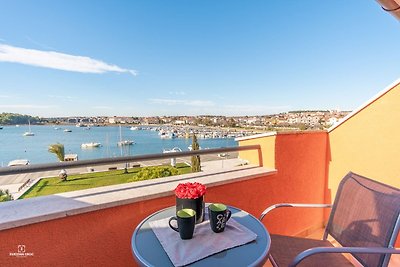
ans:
(18, 162)
(126, 143)
(29, 133)
(90, 145)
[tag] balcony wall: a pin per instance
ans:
(102, 236)
(300, 159)
(93, 227)
(367, 142)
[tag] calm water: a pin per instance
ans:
(13, 145)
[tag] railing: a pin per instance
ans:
(102, 161)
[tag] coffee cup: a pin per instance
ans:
(219, 214)
(186, 220)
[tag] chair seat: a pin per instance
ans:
(285, 248)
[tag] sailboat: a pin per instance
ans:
(124, 142)
(29, 133)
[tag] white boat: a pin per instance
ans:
(90, 145)
(18, 162)
(124, 142)
(134, 128)
(67, 130)
(29, 133)
(175, 149)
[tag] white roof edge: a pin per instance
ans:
(255, 136)
(354, 112)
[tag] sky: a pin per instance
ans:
(179, 57)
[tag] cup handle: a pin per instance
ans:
(228, 214)
(173, 227)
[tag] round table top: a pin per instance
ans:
(148, 251)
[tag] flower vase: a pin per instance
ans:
(196, 204)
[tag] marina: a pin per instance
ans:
(105, 141)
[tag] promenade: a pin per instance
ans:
(208, 163)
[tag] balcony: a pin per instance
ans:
(93, 227)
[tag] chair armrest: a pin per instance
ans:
(317, 250)
(293, 205)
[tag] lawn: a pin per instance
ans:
(53, 185)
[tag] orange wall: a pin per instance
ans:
(301, 163)
(368, 142)
(102, 238)
(267, 145)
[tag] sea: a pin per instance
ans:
(13, 145)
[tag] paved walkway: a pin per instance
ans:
(208, 163)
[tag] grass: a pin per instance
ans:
(53, 185)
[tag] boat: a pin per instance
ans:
(134, 128)
(18, 162)
(124, 142)
(67, 130)
(29, 133)
(90, 145)
(1, 127)
(175, 149)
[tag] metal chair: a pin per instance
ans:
(364, 220)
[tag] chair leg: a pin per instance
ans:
(271, 259)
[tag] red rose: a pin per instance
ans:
(190, 190)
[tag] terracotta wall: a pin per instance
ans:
(301, 163)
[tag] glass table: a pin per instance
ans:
(148, 251)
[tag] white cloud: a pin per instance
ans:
(174, 102)
(55, 60)
(29, 106)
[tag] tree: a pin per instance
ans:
(196, 158)
(5, 195)
(58, 150)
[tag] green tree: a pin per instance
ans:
(5, 195)
(59, 151)
(196, 158)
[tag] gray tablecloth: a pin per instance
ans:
(204, 242)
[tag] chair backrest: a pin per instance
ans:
(365, 213)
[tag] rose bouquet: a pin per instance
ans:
(190, 190)
(191, 195)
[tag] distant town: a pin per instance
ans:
(292, 120)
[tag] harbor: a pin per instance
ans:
(106, 141)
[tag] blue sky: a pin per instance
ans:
(148, 58)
